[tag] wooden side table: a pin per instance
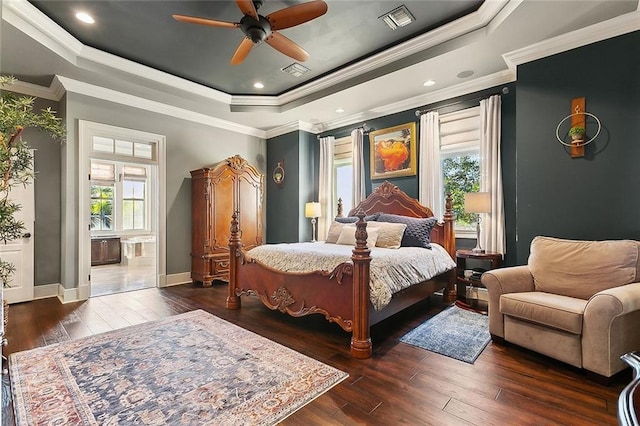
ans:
(468, 260)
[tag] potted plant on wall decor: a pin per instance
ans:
(577, 133)
(16, 159)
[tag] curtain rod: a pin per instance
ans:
(365, 131)
(503, 91)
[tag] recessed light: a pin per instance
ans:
(258, 85)
(339, 110)
(465, 74)
(85, 17)
(428, 83)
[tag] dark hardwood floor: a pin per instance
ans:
(400, 384)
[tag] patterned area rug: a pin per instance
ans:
(454, 332)
(190, 369)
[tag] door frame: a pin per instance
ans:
(88, 129)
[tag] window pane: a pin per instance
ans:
(461, 174)
(127, 214)
(127, 189)
(344, 187)
(138, 214)
(124, 148)
(101, 207)
(138, 189)
(143, 150)
(101, 144)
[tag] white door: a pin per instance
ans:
(20, 252)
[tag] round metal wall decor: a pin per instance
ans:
(278, 174)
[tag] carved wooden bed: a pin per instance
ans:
(341, 295)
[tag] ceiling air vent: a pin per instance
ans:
(295, 69)
(399, 17)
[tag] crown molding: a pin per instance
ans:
(476, 85)
(102, 93)
(34, 90)
(294, 126)
(482, 17)
(604, 30)
(28, 19)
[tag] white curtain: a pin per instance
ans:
(430, 174)
(492, 236)
(325, 186)
(357, 161)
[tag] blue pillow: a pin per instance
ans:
(354, 219)
(418, 231)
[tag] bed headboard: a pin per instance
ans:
(388, 198)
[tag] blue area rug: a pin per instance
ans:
(454, 332)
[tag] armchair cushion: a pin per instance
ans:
(550, 310)
(582, 268)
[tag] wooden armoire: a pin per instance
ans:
(216, 192)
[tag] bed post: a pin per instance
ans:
(235, 244)
(450, 246)
(360, 339)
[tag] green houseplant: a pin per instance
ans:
(577, 132)
(16, 159)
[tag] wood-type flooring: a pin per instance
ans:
(400, 384)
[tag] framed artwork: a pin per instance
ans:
(393, 151)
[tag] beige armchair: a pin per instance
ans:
(575, 301)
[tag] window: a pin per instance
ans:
(119, 204)
(133, 197)
(460, 157)
(110, 146)
(343, 173)
(102, 207)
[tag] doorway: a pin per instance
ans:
(122, 199)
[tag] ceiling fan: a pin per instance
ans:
(258, 28)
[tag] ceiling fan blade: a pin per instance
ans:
(296, 15)
(205, 21)
(286, 46)
(242, 51)
(248, 8)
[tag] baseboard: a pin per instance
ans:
(45, 291)
(68, 295)
(176, 279)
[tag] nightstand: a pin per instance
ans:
(469, 260)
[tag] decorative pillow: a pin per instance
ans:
(418, 231)
(348, 236)
(334, 232)
(354, 219)
(389, 234)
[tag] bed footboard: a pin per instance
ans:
(341, 295)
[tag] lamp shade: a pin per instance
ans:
(477, 202)
(312, 210)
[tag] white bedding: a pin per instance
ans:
(391, 269)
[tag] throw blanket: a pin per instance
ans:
(391, 269)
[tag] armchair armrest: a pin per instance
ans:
(516, 279)
(609, 328)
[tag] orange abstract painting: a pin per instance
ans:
(393, 151)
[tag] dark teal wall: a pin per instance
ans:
(584, 198)
(285, 203)
(282, 201)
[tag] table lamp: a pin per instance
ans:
(312, 210)
(477, 202)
